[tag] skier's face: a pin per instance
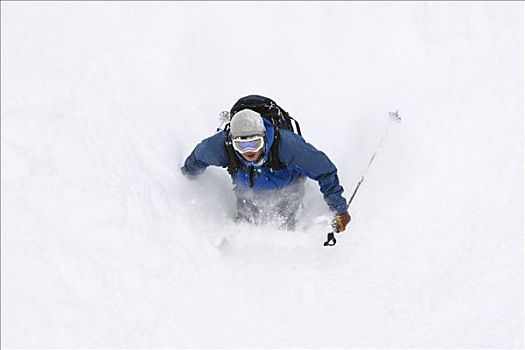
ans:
(250, 148)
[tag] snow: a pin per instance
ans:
(105, 244)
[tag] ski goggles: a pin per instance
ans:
(248, 144)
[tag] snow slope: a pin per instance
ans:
(105, 244)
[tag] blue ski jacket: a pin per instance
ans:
(299, 157)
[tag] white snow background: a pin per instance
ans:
(105, 244)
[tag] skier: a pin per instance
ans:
(267, 189)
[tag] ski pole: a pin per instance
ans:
(394, 118)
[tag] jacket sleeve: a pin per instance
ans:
(312, 163)
(210, 151)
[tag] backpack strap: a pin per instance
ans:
(233, 161)
(273, 159)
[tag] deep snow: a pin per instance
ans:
(105, 244)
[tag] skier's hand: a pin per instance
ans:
(186, 174)
(341, 221)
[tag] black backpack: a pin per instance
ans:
(269, 110)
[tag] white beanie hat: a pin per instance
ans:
(247, 123)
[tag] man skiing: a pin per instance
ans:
(268, 165)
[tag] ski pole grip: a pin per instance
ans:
(394, 116)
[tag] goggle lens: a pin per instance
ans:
(252, 144)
